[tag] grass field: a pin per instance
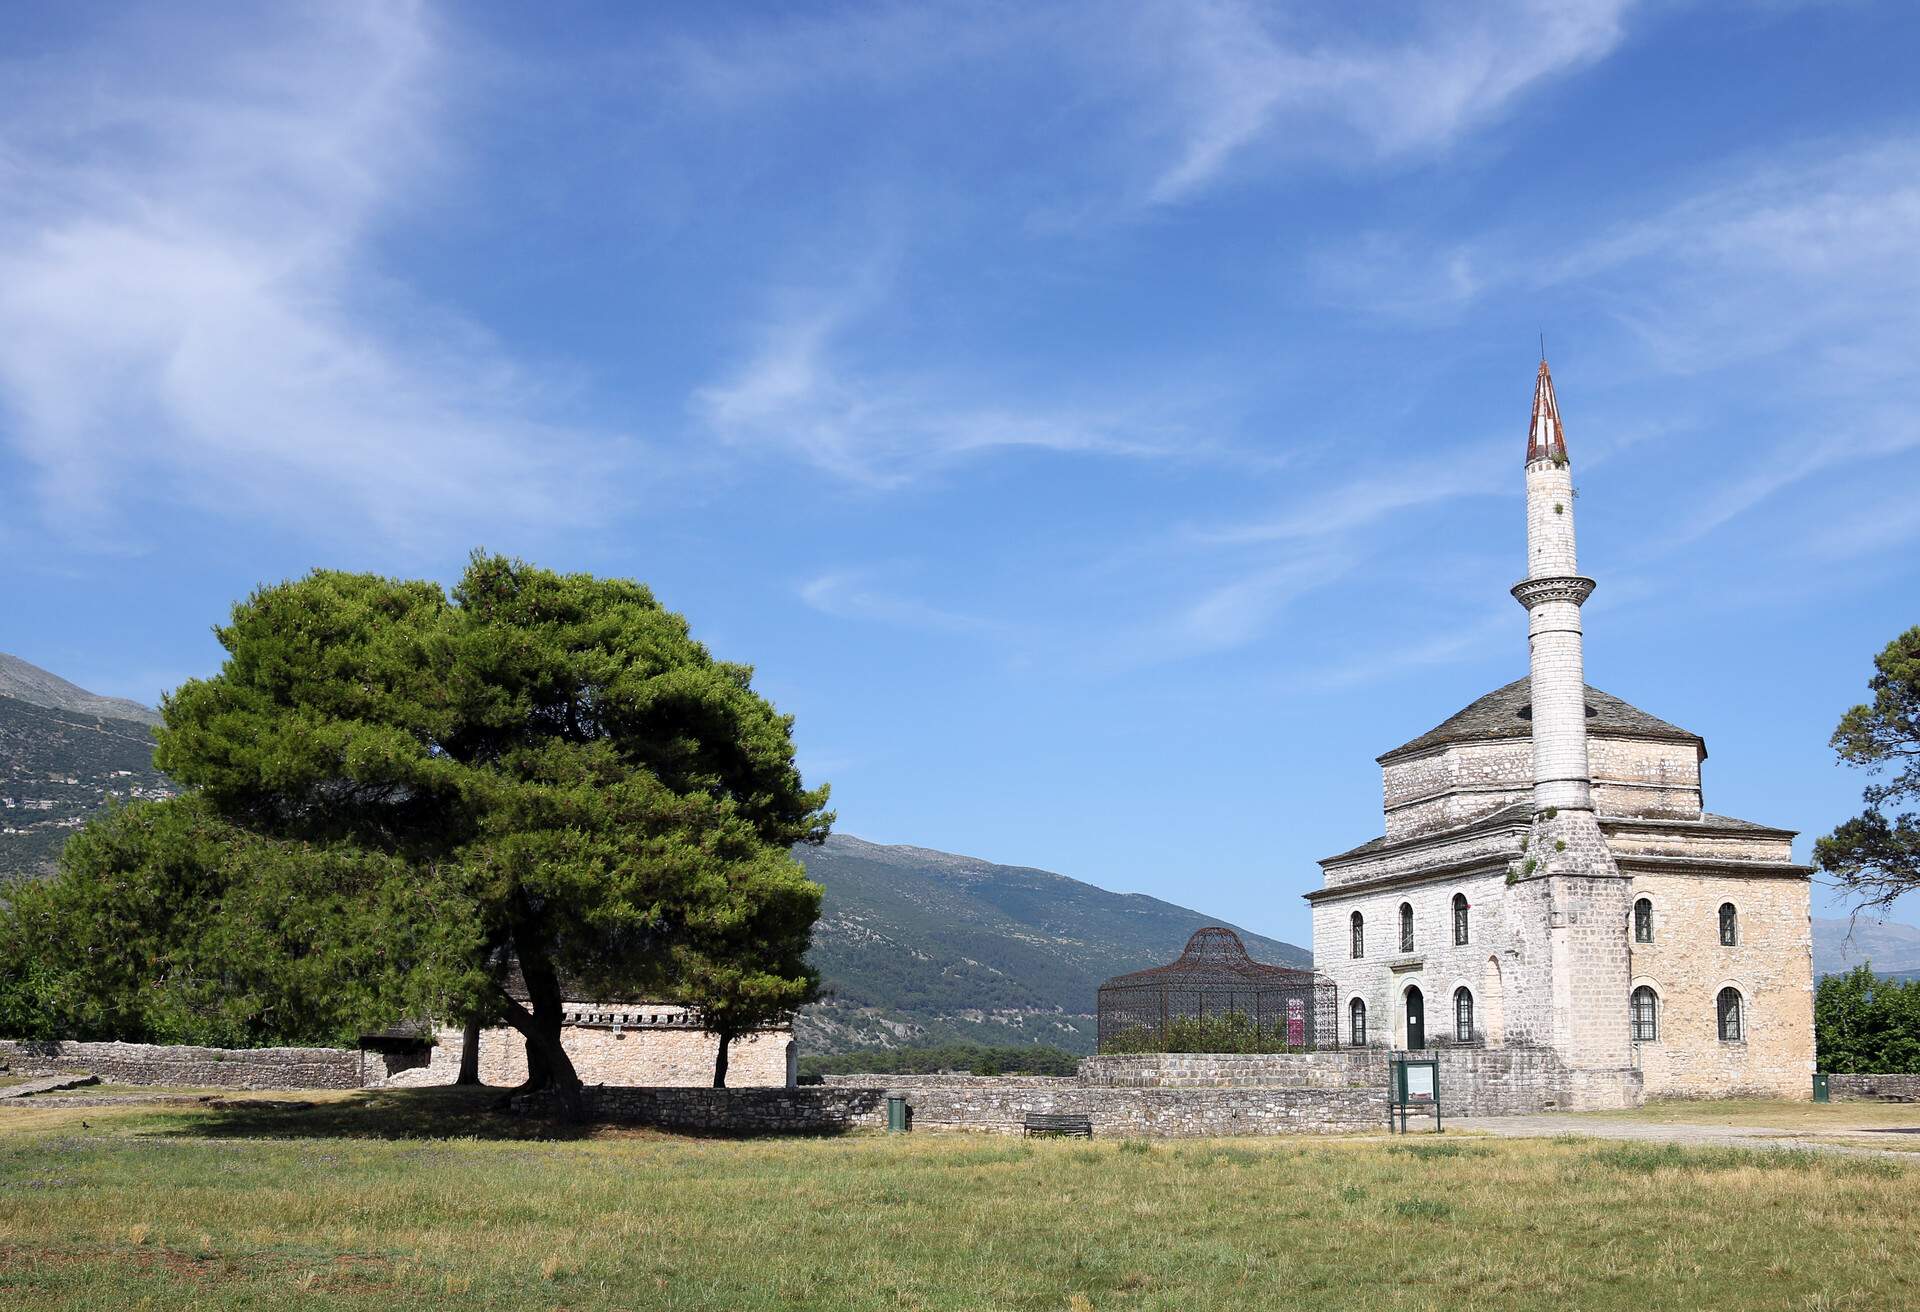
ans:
(381, 1201)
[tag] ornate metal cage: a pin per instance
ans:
(1216, 998)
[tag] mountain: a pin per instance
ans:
(920, 947)
(63, 753)
(34, 686)
(1840, 945)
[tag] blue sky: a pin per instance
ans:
(1100, 425)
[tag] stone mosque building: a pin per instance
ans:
(1549, 878)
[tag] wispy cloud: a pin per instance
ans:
(861, 595)
(803, 392)
(191, 306)
(1236, 76)
(1169, 98)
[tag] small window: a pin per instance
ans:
(1646, 1018)
(1459, 919)
(1357, 1023)
(1729, 925)
(1643, 921)
(1406, 926)
(1359, 936)
(1729, 1009)
(1463, 1015)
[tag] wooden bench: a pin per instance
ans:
(1050, 1123)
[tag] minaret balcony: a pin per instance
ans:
(1575, 588)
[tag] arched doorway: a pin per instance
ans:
(1416, 1018)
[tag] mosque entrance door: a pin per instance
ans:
(1416, 1018)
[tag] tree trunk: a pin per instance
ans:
(548, 1066)
(720, 1060)
(470, 1054)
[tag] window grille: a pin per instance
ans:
(1643, 921)
(1463, 1015)
(1729, 1009)
(1729, 928)
(1357, 1023)
(1459, 919)
(1359, 936)
(1406, 926)
(1646, 1021)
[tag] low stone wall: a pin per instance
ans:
(1338, 1068)
(1157, 1113)
(811, 1110)
(1874, 1088)
(902, 1083)
(223, 1068)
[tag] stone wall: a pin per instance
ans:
(1158, 1113)
(1437, 966)
(662, 1050)
(224, 1068)
(1473, 1082)
(1686, 966)
(811, 1110)
(1874, 1088)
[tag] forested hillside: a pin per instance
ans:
(922, 947)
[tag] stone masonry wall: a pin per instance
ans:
(813, 1110)
(1473, 1082)
(223, 1068)
(1771, 965)
(671, 1056)
(1157, 1113)
(1437, 965)
(1874, 1088)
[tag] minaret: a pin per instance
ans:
(1567, 912)
(1552, 592)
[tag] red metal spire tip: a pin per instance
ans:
(1546, 440)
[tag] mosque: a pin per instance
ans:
(1549, 879)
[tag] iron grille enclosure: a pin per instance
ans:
(1216, 998)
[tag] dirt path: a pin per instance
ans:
(1875, 1141)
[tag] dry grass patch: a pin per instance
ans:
(188, 1209)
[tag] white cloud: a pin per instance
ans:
(855, 595)
(189, 302)
(800, 392)
(1234, 75)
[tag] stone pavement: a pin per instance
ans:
(48, 1085)
(1869, 1140)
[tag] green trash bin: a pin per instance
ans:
(1820, 1088)
(896, 1115)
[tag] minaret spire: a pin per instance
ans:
(1553, 592)
(1546, 440)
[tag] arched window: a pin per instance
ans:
(1646, 1017)
(1729, 927)
(1459, 919)
(1357, 1023)
(1406, 926)
(1463, 1015)
(1359, 936)
(1729, 1009)
(1643, 921)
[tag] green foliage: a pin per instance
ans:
(1864, 1025)
(395, 791)
(165, 924)
(1230, 1031)
(946, 1058)
(1877, 853)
